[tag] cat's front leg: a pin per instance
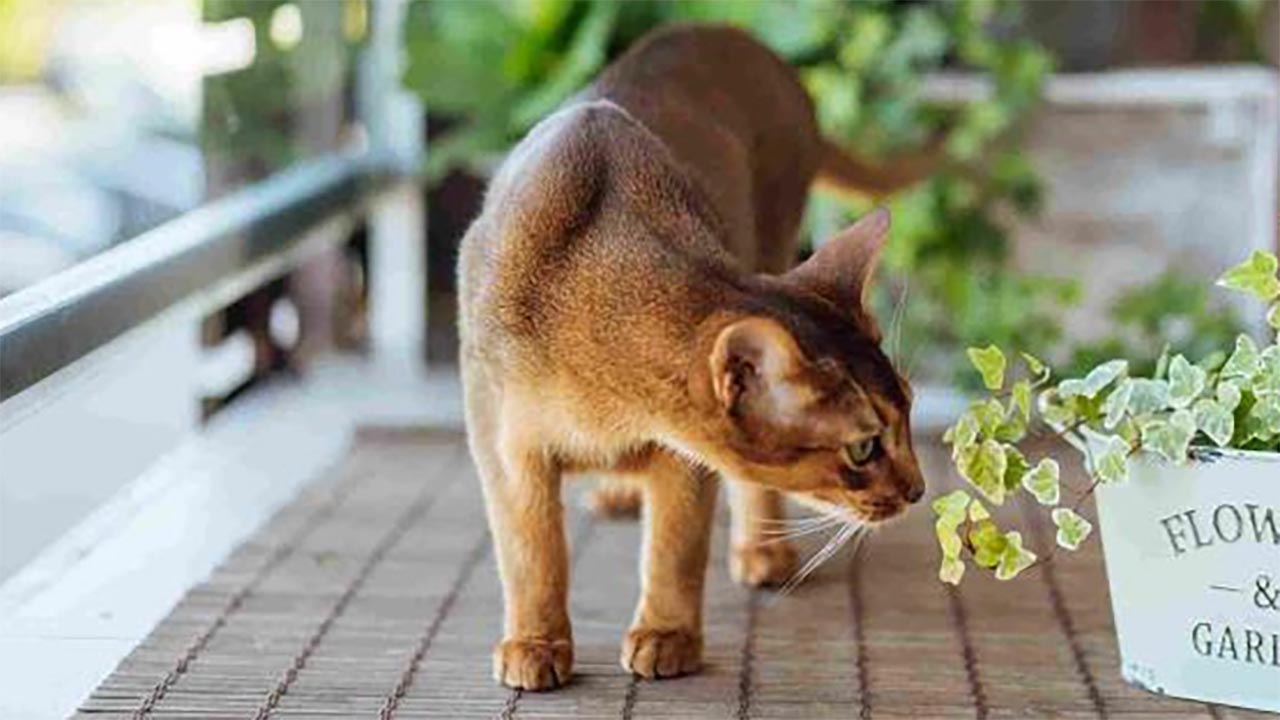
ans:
(526, 518)
(665, 639)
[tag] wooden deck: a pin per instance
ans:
(374, 595)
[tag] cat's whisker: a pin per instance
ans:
(816, 561)
(859, 539)
(779, 527)
(784, 537)
(790, 521)
(911, 363)
(784, 527)
(799, 533)
(833, 545)
(895, 329)
(820, 524)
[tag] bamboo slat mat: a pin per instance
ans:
(374, 595)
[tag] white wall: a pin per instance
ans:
(1146, 170)
(71, 441)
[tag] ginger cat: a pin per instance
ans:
(627, 309)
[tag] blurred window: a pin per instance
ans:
(118, 115)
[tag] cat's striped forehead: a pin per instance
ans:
(847, 344)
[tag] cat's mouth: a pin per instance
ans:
(863, 511)
(881, 512)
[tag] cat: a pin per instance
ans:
(628, 307)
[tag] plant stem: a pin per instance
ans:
(1085, 496)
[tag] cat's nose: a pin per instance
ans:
(914, 493)
(911, 482)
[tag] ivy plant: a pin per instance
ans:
(1229, 398)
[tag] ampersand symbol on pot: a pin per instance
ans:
(1263, 595)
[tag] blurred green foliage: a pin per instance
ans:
(252, 117)
(488, 70)
(1172, 315)
(1236, 24)
(493, 69)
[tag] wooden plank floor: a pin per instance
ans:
(375, 595)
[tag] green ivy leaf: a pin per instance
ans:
(1266, 381)
(1186, 382)
(1111, 463)
(1162, 364)
(1215, 420)
(1256, 276)
(1228, 394)
(1036, 366)
(989, 415)
(984, 466)
(1072, 529)
(990, 363)
(1015, 558)
(1013, 429)
(978, 511)
(1042, 482)
(1213, 361)
(1093, 383)
(963, 433)
(1273, 317)
(948, 539)
(1171, 437)
(951, 507)
(1149, 396)
(1244, 361)
(1020, 399)
(951, 571)
(988, 544)
(1117, 404)
(1131, 433)
(1016, 467)
(1058, 414)
(1263, 421)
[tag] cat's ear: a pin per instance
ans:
(841, 269)
(757, 372)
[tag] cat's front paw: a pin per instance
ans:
(533, 664)
(661, 653)
(762, 564)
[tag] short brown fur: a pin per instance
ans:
(627, 310)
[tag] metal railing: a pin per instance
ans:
(50, 325)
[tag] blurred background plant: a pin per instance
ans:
(293, 101)
(488, 71)
(1174, 312)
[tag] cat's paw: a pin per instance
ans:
(615, 501)
(655, 654)
(765, 564)
(534, 664)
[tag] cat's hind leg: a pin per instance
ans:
(615, 499)
(665, 638)
(758, 557)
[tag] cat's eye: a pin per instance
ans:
(862, 452)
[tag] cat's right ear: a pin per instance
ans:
(841, 269)
(757, 371)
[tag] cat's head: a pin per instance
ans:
(812, 405)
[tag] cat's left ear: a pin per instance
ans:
(841, 269)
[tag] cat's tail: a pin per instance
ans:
(846, 174)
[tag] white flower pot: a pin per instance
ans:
(1193, 559)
